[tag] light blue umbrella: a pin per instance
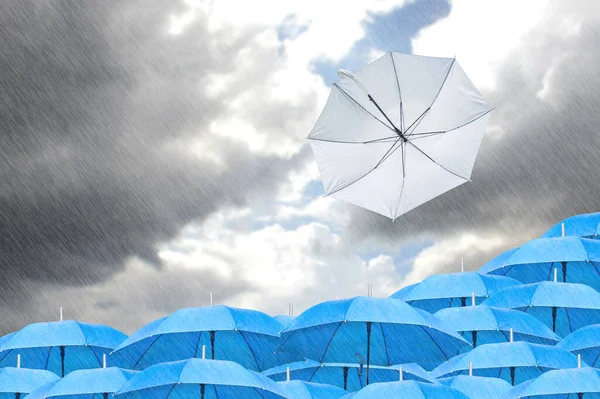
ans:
(200, 378)
(454, 289)
(348, 376)
(285, 320)
(406, 390)
(478, 387)
(581, 383)
(245, 336)
(585, 342)
(61, 346)
(16, 382)
(585, 225)
(486, 325)
(576, 260)
(311, 390)
(564, 307)
(372, 330)
(403, 292)
(87, 384)
(514, 362)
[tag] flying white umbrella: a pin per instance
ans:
(399, 132)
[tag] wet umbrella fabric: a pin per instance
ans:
(61, 346)
(406, 390)
(514, 362)
(486, 325)
(563, 307)
(584, 342)
(576, 260)
(18, 382)
(586, 225)
(245, 336)
(348, 376)
(399, 132)
(572, 383)
(372, 330)
(309, 390)
(454, 289)
(200, 378)
(478, 387)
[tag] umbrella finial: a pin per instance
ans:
(61, 313)
(579, 360)
(555, 274)
(470, 369)
(203, 351)
(287, 373)
(401, 374)
(211, 299)
(511, 335)
(563, 229)
(462, 265)
(472, 298)
(104, 361)
(18, 360)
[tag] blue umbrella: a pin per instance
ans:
(310, 390)
(478, 387)
(285, 320)
(86, 384)
(564, 307)
(403, 292)
(573, 259)
(406, 390)
(245, 336)
(200, 378)
(585, 342)
(374, 330)
(61, 346)
(449, 290)
(15, 381)
(573, 383)
(349, 376)
(511, 361)
(585, 225)
(485, 325)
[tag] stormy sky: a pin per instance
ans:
(152, 152)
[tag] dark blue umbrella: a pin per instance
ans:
(580, 383)
(311, 390)
(373, 330)
(563, 307)
(200, 378)
(61, 346)
(514, 362)
(486, 325)
(585, 342)
(586, 225)
(245, 336)
(15, 381)
(454, 289)
(573, 259)
(406, 390)
(478, 387)
(348, 376)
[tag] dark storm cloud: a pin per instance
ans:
(96, 99)
(543, 166)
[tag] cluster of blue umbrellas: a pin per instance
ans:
(527, 324)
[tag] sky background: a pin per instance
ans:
(153, 152)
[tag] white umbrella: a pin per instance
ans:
(399, 132)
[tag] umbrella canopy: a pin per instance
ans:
(285, 320)
(486, 325)
(576, 260)
(61, 346)
(245, 336)
(585, 342)
(560, 384)
(585, 225)
(514, 362)
(403, 292)
(348, 376)
(372, 330)
(401, 131)
(15, 382)
(310, 390)
(563, 307)
(454, 289)
(87, 384)
(478, 387)
(406, 390)
(200, 378)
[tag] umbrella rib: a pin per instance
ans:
(251, 351)
(420, 118)
(357, 103)
(385, 156)
(399, 93)
(383, 139)
(329, 342)
(387, 355)
(432, 160)
(146, 351)
(454, 128)
(403, 178)
(434, 341)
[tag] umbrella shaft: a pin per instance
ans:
(474, 335)
(512, 376)
(554, 318)
(345, 378)
(62, 360)
(368, 349)
(212, 344)
(398, 132)
(17, 395)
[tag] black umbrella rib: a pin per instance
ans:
(387, 355)
(385, 156)
(399, 93)
(366, 110)
(329, 342)
(432, 160)
(383, 139)
(455, 128)
(146, 351)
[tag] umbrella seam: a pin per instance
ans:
(399, 92)
(329, 342)
(454, 128)
(357, 103)
(438, 164)
(146, 351)
(251, 351)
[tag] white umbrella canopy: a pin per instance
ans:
(399, 132)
